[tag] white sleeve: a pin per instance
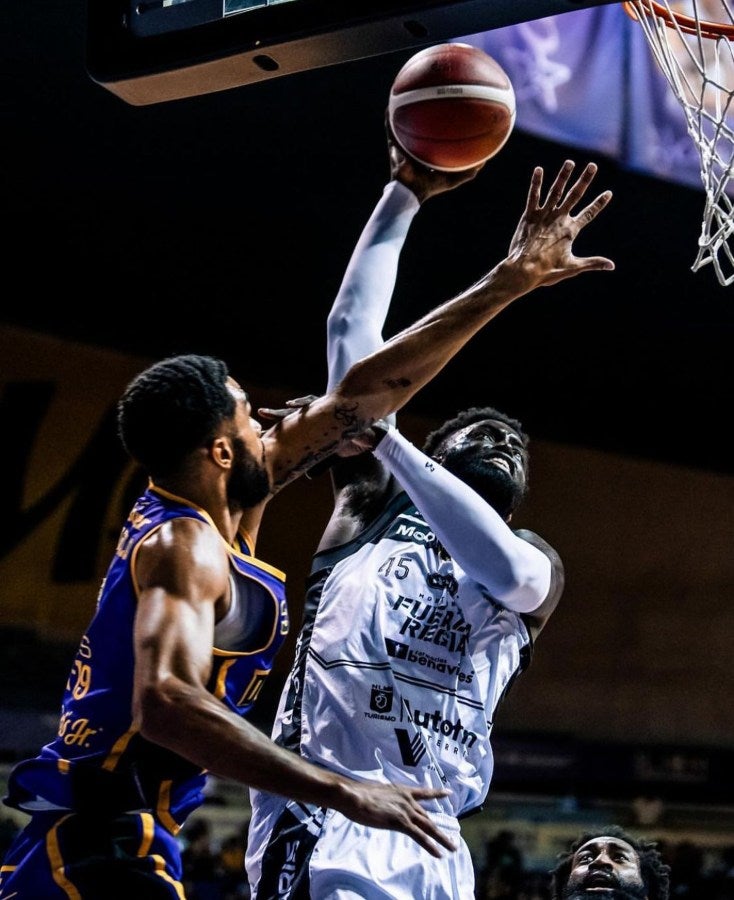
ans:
(355, 322)
(514, 572)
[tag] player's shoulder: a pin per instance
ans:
(536, 540)
(538, 619)
(186, 535)
(532, 537)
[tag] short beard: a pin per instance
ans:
(248, 482)
(490, 482)
(619, 891)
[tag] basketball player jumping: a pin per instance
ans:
(422, 603)
(187, 621)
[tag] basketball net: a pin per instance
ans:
(692, 44)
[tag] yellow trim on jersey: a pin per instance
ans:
(163, 807)
(148, 823)
(113, 757)
(220, 686)
(251, 691)
(57, 862)
(242, 532)
(175, 497)
(261, 564)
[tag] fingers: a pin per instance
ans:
(559, 185)
(536, 181)
(265, 412)
(580, 187)
(596, 264)
(397, 807)
(423, 830)
(425, 793)
(421, 827)
(590, 212)
(556, 198)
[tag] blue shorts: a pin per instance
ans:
(71, 856)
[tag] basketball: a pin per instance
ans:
(451, 107)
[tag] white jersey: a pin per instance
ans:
(403, 656)
(401, 664)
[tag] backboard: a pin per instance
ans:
(152, 51)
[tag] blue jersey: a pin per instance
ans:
(98, 762)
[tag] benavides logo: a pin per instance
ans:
(398, 650)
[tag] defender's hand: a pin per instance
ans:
(266, 412)
(396, 807)
(542, 245)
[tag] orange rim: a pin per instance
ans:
(686, 23)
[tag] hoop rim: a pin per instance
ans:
(688, 24)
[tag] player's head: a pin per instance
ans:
(488, 450)
(609, 864)
(183, 404)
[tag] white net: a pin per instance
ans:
(692, 44)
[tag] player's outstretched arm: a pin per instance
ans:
(540, 254)
(181, 571)
(357, 317)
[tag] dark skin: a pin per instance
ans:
(501, 444)
(183, 574)
(183, 568)
(605, 867)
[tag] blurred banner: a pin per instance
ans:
(564, 766)
(588, 78)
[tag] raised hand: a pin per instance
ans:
(543, 240)
(423, 181)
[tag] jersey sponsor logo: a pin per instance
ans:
(288, 871)
(433, 722)
(411, 751)
(253, 688)
(433, 624)
(75, 731)
(412, 530)
(381, 698)
(398, 650)
(443, 582)
(285, 622)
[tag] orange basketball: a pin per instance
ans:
(451, 107)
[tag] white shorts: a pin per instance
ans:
(299, 852)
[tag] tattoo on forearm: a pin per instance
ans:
(347, 416)
(306, 462)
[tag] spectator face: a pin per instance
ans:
(605, 868)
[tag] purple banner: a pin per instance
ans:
(588, 78)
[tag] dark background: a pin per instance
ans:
(223, 223)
